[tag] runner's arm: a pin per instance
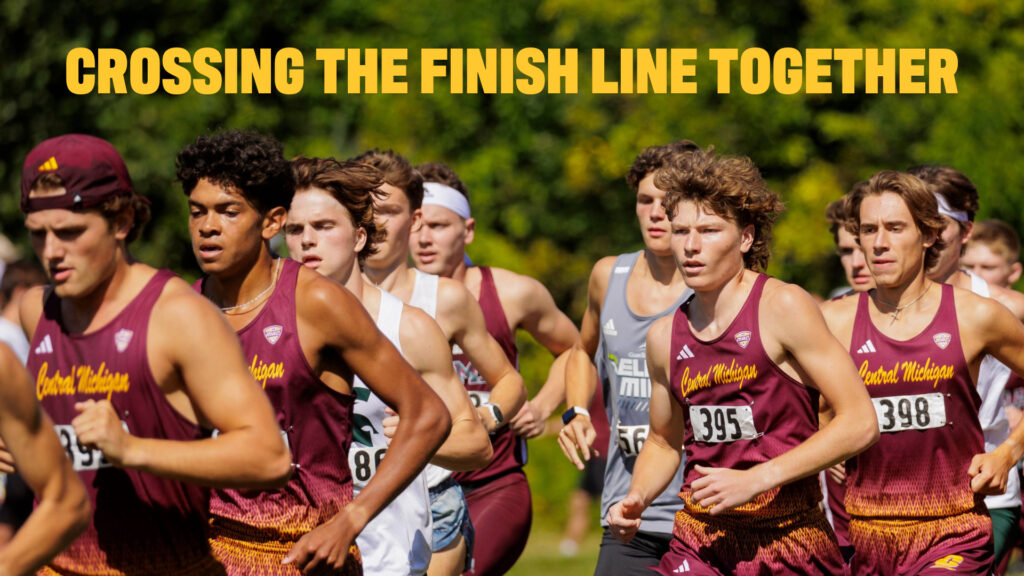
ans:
(63, 509)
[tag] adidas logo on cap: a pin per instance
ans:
(48, 166)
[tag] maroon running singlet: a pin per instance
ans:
(741, 410)
(141, 524)
(501, 517)
(909, 497)
(251, 530)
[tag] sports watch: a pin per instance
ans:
(573, 412)
(495, 412)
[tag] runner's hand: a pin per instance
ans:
(6, 459)
(529, 422)
(989, 472)
(323, 550)
(724, 488)
(838, 473)
(624, 517)
(389, 425)
(98, 427)
(578, 434)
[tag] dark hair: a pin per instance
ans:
(729, 186)
(25, 273)
(955, 187)
(836, 214)
(110, 208)
(924, 209)
(398, 172)
(654, 157)
(999, 236)
(250, 163)
(353, 184)
(442, 174)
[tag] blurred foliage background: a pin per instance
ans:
(545, 172)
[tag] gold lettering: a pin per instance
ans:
(80, 380)
(262, 371)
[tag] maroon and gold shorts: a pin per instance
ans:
(247, 555)
(707, 545)
(961, 543)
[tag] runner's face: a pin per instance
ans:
(654, 224)
(320, 234)
(78, 250)
(227, 232)
(395, 216)
(439, 245)
(982, 261)
(955, 236)
(894, 247)
(854, 265)
(707, 247)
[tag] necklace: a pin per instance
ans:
(273, 282)
(897, 309)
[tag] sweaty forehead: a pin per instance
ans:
(59, 218)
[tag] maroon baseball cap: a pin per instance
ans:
(90, 167)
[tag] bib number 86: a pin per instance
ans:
(364, 462)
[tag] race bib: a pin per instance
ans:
(920, 412)
(363, 462)
(479, 397)
(82, 458)
(715, 424)
(631, 438)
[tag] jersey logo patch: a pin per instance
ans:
(45, 347)
(273, 333)
(609, 327)
(867, 348)
(951, 562)
(685, 353)
(942, 339)
(122, 339)
(743, 338)
(622, 269)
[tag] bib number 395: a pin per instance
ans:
(715, 424)
(918, 412)
(82, 458)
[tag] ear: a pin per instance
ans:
(966, 231)
(417, 219)
(470, 229)
(746, 238)
(273, 222)
(361, 238)
(123, 222)
(1015, 270)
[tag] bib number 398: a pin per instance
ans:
(82, 458)
(715, 424)
(919, 412)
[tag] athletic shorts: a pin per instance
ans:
(592, 478)
(501, 511)
(1005, 530)
(638, 557)
(450, 517)
(706, 545)
(960, 544)
(244, 554)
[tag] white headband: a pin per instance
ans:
(435, 194)
(945, 209)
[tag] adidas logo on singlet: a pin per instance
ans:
(45, 347)
(683, 568)
(867, 348)
(685, 353)
(609, 327)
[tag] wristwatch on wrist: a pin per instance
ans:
(573, 412)
(495, 413)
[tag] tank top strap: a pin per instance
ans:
(153, 289)
(619, 278)
(389, 318)
(494, 313)
(424, 293)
